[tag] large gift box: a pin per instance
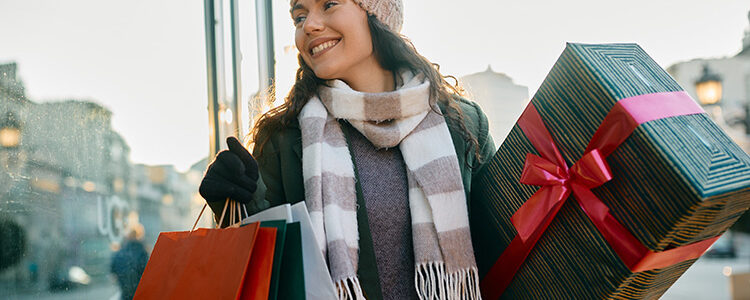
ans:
(610, 185)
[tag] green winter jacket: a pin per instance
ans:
(280, 167)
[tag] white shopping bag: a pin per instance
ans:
(318, 282)
(281, 212)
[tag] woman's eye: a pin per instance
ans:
(329, 4)
(299, 19)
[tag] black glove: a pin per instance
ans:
(233, 174)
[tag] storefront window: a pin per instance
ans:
(103, 138)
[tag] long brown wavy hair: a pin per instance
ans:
(394, 52)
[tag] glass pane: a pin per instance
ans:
(249, 66)
(103, 139)
(286, 51)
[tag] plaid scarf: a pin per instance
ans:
(444, 259)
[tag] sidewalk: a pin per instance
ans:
(706, 279)
(103, 291)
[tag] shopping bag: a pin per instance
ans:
(292, 274)
(258, 276)
(316, 280)
(199, 264)
(278, 255)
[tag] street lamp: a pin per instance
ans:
(708, 87)
(10, 131)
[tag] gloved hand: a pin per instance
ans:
(233, 174)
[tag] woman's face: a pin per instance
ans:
(333, 37)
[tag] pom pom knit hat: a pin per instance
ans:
(388, 12)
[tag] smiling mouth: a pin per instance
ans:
(323, 47)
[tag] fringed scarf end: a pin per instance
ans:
(432, 282)
(349, 289)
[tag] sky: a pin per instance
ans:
(145, 60)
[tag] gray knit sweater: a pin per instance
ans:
(382, 175)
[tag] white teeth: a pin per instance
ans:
(323, 46)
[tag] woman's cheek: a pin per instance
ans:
(325, 71)
(299, 42)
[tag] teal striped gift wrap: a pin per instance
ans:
(610, 185)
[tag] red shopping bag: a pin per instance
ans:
(258, 278)
(208, 263)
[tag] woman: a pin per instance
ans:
(379, 146)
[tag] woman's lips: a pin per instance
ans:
(323, 47)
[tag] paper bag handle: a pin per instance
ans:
(235, 208)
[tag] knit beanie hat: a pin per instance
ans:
(388, 12)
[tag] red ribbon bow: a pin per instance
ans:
(557, 182)
(589, 172)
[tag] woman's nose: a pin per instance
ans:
(313, 23)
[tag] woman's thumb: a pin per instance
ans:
(250, 165)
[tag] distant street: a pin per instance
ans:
(706, 279)
(102, 291)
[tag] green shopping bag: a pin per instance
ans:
(287, 277)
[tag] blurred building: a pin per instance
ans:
(501, 100)
(65, 184)
(734, 76)
(166, 199)
(13, 106)
(67, 181)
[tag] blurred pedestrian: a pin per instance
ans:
(128, 264)
(33, 272)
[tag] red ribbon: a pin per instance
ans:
(557, 182)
